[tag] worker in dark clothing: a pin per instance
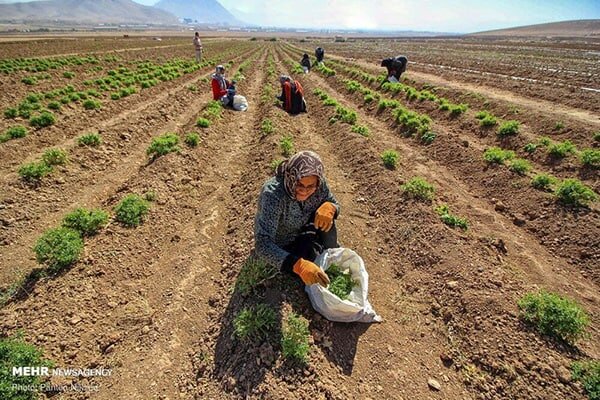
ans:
(395, 67)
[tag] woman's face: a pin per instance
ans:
(306, 187)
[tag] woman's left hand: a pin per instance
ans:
(324, 216)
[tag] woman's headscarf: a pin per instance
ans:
(300, 165)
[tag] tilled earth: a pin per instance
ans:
(156, 303)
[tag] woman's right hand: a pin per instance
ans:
(310, 273)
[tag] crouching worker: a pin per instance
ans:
(395, 67)
(296, 216)
(319, 54)
(292, 95)
(305, 63)
(220, 84)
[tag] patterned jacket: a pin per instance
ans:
(280, 218)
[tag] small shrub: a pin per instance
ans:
(428, 137)
(192, 139)
(46, 118)
(68, 74)
(508, 128)
(275, 163)
(369, 98)
(33, 172)
(590, 158)
(90, 104)
(58, 248)
(54, 105)
(267, 127)
(489, 120)
(89, 139)
(287, 145)
(86, 222)
(559, 125)
(115, 96)
(449, 219)
(554, 315)
(254, 272)
(361, 130)
(11, 113)
(54, 157)
(29, 80)
(545, 141)
(573, 192)
(254, 322)
(543, 181)
(588, 373)
(202, 122)
(418, 188)
(162, 145)
(330, 102)
(131, 210)
(520, 166)
(530, 148)
(295, 339)
(561, 150)
(16, 132)
(457, 109)
(150, 195)
(497, 155)
(15, 352)
(389, 158)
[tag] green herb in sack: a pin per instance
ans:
(341, 283)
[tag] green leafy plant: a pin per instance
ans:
(58, 248)
(90, 104)
(509, 128)
(54, 105)
(341, 282)
(486, 119)
(287, 145)
(389, 158)
(46, 118)
(89, 139)
(11, 113)
(295, 338)
(597, 136)
(131, 210)
(561, 150)
(16, 132)
(361, 130)
(428, 137)
(590, 158)
(275, 163)
(457, 109)
(559, 125)
(254, 272)
(520, 166)
(33, 172)
(267, 127)
(418, 188)
(202, 122)
(497, 155)
(68, 74)
(545, 141)
(449, 219)
(588, 373)
(162, 145)
(554, 315)
(543, 181)
(15, 352)
(86, 222)
(192, 139)
(530, 148)
(574, 192)
(254, 322)
(55, 157)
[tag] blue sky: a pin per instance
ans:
(421, 15)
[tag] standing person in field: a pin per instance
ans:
(319, 54)
(292, 95)
(219, 83)
(296, 216)
(395, 67)
(305, 62)
(198, 47)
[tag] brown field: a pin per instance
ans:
(156, 303)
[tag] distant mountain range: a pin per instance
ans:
(578, 28)
(203, 11)
(165, 12)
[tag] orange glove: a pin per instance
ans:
(324, 216)
(310, 273)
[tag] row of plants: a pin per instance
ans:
(12, 65)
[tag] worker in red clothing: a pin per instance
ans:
(219, 83)
(292, 95)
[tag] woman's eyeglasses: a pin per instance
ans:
(309, 188)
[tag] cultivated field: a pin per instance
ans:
(506, 132)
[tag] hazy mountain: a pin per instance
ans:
(203, 11)
(86, 11)
(578, 28)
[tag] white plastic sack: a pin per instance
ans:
(356, 308)
(240, 103)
